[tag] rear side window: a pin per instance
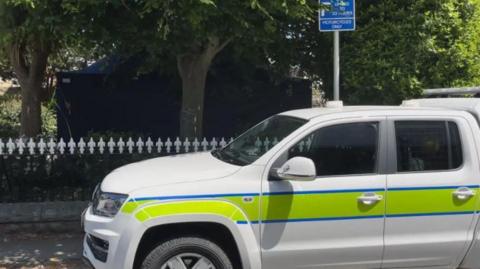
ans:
(427, 146)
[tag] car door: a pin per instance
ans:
(337, 220)
(431, 195)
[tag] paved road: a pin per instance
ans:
(41, 251)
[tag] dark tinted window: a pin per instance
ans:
(427, 146)
(341, 149)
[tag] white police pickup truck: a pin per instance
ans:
(344, 187)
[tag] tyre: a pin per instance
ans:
(187, 253)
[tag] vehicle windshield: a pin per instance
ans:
(255, 142)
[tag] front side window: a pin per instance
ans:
(427, 146)
(345, 149)
(255, 142)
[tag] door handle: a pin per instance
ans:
(464, 193)
(370, 198)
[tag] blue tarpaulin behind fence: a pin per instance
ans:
(99, 100)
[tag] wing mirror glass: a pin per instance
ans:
(297, 169)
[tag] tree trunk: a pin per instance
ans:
(30, 118)
(193, 72)
(30, 74)
(193, 69)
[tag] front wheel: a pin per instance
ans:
(187, 253)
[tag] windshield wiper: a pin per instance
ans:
(216, 153)
(222, 155)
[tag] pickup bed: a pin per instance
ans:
(334, 187)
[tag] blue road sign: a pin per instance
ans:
(339, 15)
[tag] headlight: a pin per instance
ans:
(107, 204)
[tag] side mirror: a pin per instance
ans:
(297, 169)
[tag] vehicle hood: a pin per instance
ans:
(167, 170)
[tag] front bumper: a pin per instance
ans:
(87, 263)
(110, 243)
(98, 247)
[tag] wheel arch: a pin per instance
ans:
(232, 240)
(173, 218)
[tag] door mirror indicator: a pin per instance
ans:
(297, 169)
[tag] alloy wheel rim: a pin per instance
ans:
(188, 261)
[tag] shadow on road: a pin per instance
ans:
(41, 251)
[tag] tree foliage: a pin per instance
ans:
(189, 34)
(31, 32)
(401, 48)
(5, 68)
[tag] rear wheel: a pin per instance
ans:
(187, 253)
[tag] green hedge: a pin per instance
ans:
(57, 177)
(10, 108)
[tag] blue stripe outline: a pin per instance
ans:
(200, 196)
(430, 214)
(359, 217)
(433, 188)
(321, 192)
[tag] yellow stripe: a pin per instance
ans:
(317, 206)
(220, 208)
(428, 201)
(285, 207)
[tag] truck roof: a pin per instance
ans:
(471, 105)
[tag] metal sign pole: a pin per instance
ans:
(336, 16)
(336, 65)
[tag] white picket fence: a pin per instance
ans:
(22, 146)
